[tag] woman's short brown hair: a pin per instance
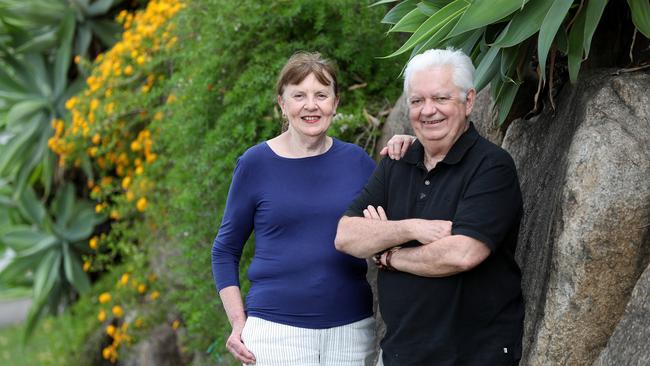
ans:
(301, 64)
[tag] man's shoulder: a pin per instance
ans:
(492, 152)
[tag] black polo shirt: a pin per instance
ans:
(474, 317)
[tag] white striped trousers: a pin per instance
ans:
(276, 344)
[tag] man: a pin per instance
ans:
(442, 224)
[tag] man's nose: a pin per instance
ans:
(429, 107)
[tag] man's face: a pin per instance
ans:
(436, 110)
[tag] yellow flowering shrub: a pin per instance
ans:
(125, 305)
(108, 132)
(109, 135)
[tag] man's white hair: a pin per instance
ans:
(461, 64)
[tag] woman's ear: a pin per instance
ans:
(281, 103)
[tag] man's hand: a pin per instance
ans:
(425, 231)
(428, 231)
(236, 346)
(375, 213)
(397, 146)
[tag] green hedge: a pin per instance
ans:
(231, 53)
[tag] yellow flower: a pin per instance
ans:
(142, 288)
(128, 70)
(126, 182)
(136, 146)
(139, 170)
(146, 88)
(86, 266)
(99, 208)
(101, 316)
(92, 243)
(158, 116)
(117, 311)
(124, 280)
(77, 59)
(115, 215)
(141, 205)
(107, 352)
(130, 196)
(175, 324)
(138, 323)
(110, 330)
(104, 298)
(96, 139)
(94, 103)
(154, 295)
(171, 98)
(140, 60)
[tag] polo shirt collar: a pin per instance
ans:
(415, 153)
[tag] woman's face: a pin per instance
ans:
(309, 106)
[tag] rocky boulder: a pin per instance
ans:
(585, 175)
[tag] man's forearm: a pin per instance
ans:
(445, 257)
(362, 238)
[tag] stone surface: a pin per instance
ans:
(630, 342)
(585, 176)
(160, 348)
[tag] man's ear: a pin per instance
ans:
(469, 102)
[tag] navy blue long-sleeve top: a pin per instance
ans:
(297, 276)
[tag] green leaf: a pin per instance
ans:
(63, 204)
(99, 7)
(524, 23)
(381, 2)
(38, 248)
(410, 22)
(47, 273)
(17, 269)
(438, 36)
(82, 40)
(73, 270)
(641, 15)
(504, 100)
(63, 56)
(8, 82)
(549, 28)
(432, 25)
(575, 44)
(16, 145)
(39, 43)
(430, 7)
(399, 11)
(21, 238)
(107, 31)
(81, 225)
(487, 68)
(25, 109)
(482, 13)
(595, 9)
(31, 207)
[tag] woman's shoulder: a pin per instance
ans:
(255, 154)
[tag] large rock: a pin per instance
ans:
(629, 343)
(160, 348)
(585, 175)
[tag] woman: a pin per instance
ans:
(308, 303)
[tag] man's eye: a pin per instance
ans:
(322, 96)
(441, 99)
(416, 101)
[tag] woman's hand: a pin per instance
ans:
(397, 146)
(236, 346)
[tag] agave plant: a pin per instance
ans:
(498, 34)
(48, 247)
(34, 25)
